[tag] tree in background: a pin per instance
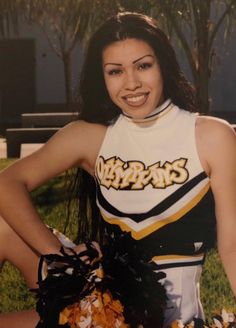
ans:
(10, 12)
(196, 24)
(64, 24)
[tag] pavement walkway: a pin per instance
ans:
(3, 152)
(26, 149)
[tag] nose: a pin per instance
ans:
(132, 81)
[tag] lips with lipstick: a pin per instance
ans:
(137, 99)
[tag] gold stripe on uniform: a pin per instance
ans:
(177, 257)
(159, 224)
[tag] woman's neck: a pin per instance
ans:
(156, 113)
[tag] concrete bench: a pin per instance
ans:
(36, 128)
(17, 136)
(29, 120)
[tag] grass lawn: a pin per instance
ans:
(215, 289)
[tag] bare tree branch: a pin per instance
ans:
(220, 21)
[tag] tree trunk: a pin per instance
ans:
(68, 80)
(201, 14)
(201, 83)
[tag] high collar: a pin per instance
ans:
(156, 113)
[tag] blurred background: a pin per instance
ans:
(42, 45)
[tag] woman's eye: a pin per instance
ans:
(115, 72)
(144, 66)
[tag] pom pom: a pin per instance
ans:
(95, 310)
(134, 282)
(118, 289)
(223, 320)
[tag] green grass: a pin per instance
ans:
(14, 294)
(13, 291)
(5, 162)
(49, 200)
(215, 290)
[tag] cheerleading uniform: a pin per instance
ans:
(151, 185)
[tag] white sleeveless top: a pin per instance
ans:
(150, 183)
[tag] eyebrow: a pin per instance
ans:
(135, 61)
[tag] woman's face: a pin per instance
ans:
(133, 77)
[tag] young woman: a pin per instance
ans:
(165, 177)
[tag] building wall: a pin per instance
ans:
(17, 80)
(49, 75)
(223, 84)
(223, 79)
(50, 86)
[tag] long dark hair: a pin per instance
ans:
(94, 99)
(96, 105)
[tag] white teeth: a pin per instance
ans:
(135, 99)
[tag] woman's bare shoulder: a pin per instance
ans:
(81, 126)
(216, 140)
(79, 134)
(214, 129)
(83, 141)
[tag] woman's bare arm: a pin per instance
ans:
(218, 148)
(75, 145)
(23, 319)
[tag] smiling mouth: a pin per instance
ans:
(136, 100)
